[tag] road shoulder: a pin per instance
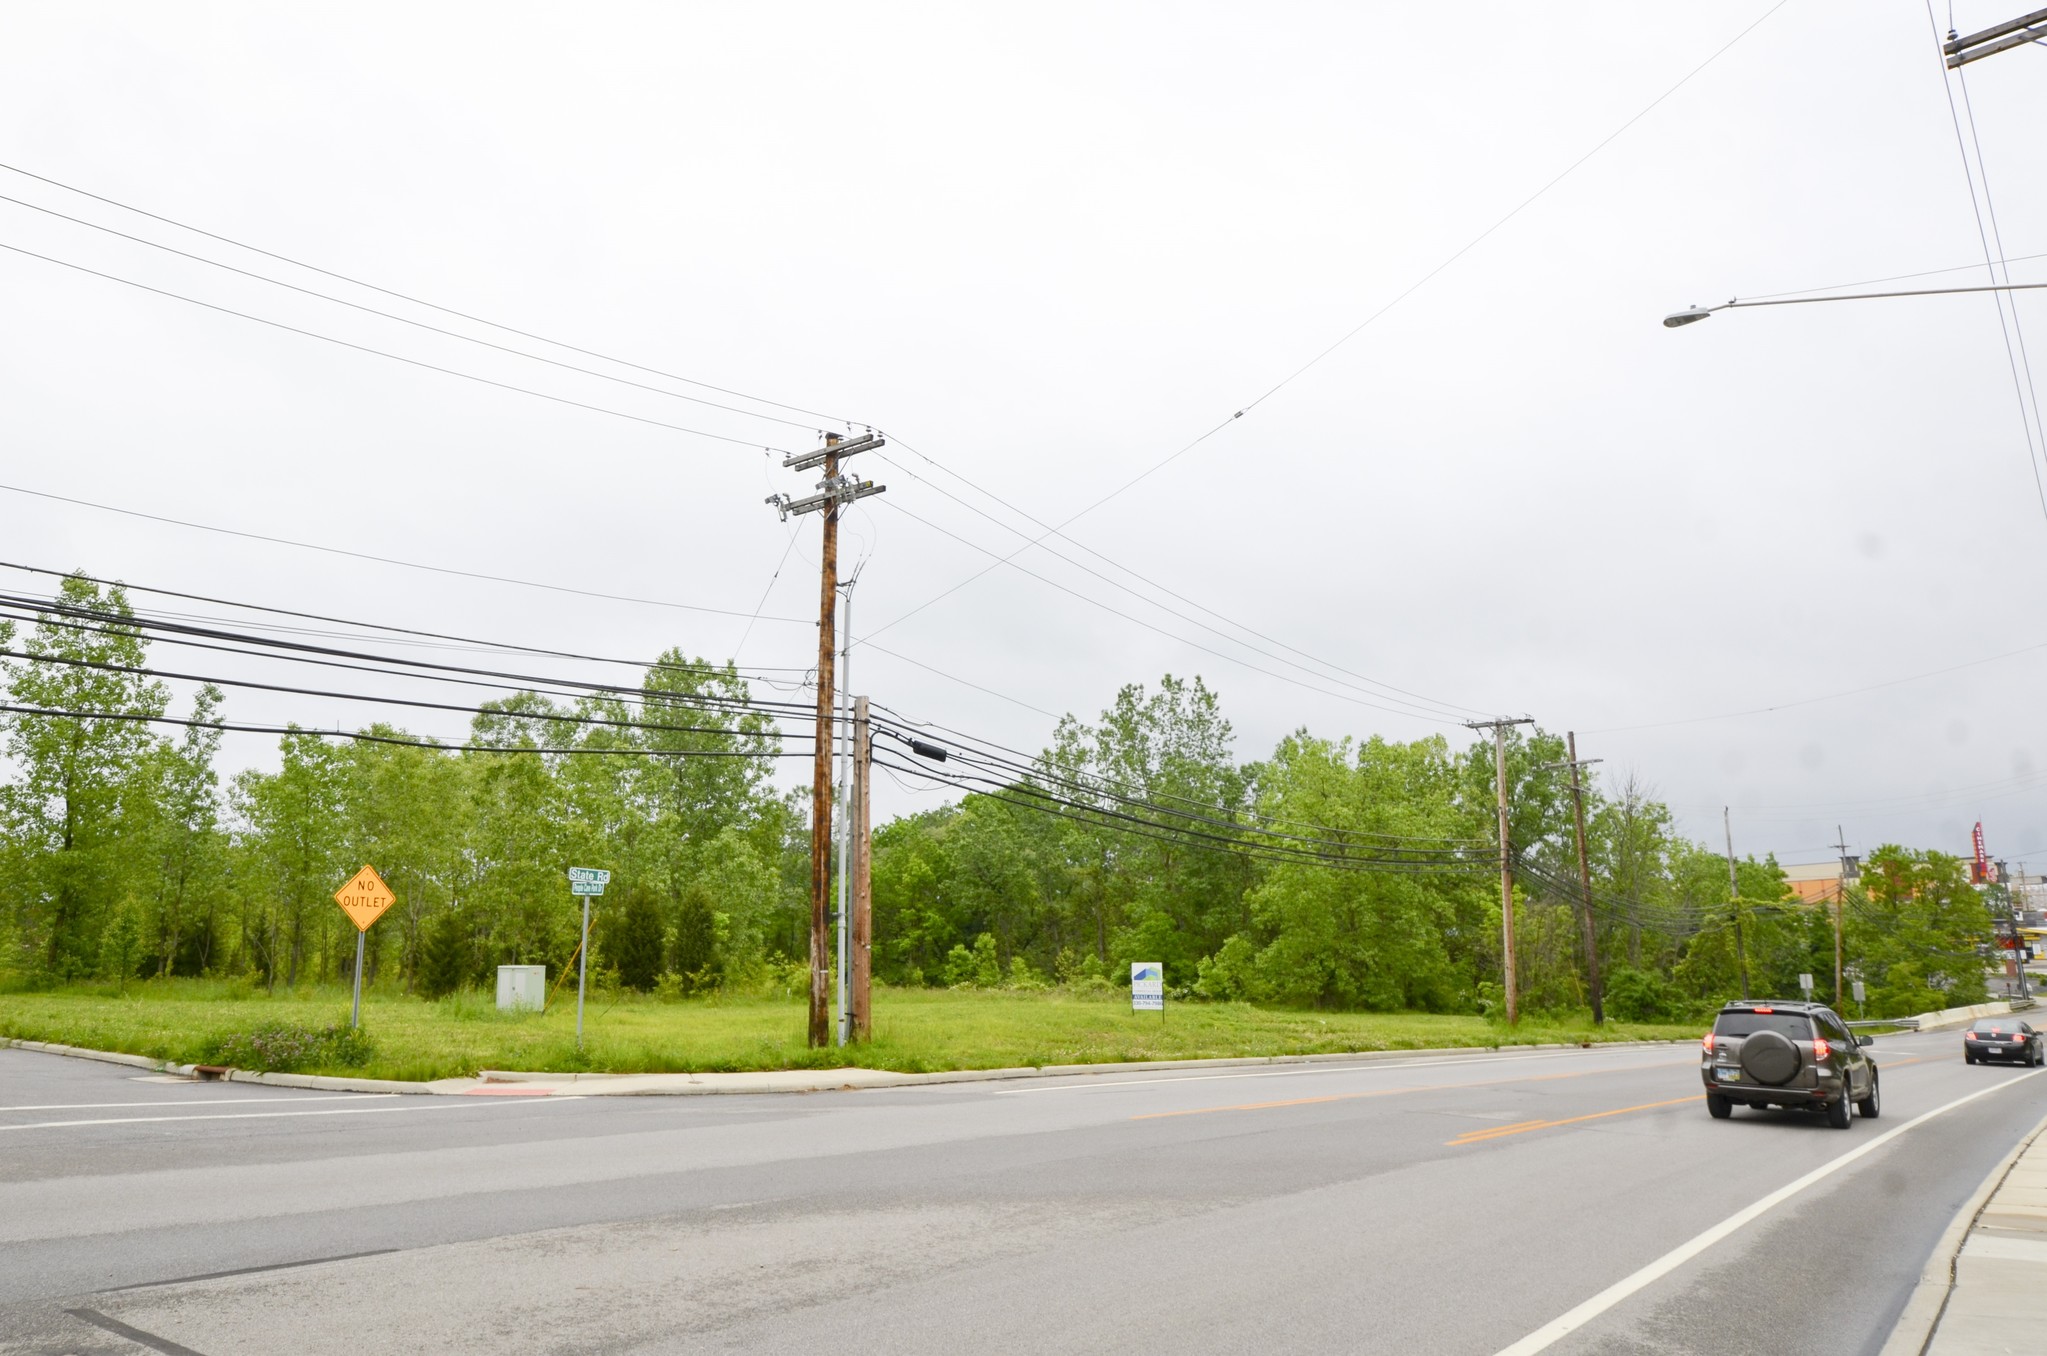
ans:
(1984, 1288)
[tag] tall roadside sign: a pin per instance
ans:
(586, 883)
(364, 900)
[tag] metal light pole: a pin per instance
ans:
(846, 814)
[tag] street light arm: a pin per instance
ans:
(1698, 313)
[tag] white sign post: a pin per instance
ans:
(1148, 987)
(587, 882)
(1858, 993)
(1805, 983)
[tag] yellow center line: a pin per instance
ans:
(1396, 1091)
(1493, 1132)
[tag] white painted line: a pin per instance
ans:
(1559, 1328)
(415, 1104)
(1364, 1067)
(211, 1101)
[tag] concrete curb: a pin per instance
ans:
(1915, 1327)
(799, 1080)
(275, 1080)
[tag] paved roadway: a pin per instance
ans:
(1453, 1205)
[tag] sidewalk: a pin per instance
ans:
(1984, 1290)
(1999, 1301)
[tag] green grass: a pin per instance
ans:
(916, 1030)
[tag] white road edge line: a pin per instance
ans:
(1559, 1328)
(283, 1096)
(1371, 1066)
(416, 1104)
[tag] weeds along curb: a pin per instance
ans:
(275, 1080)
(818, 1080)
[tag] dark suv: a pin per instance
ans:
(1793, 1055)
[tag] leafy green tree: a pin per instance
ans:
(75, 855)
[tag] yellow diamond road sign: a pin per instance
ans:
(365, 898)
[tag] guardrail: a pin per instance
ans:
(1908, 1023)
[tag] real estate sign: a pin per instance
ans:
(1147, 986)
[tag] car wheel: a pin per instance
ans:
(1872, 1104)
(1969, 1056)
(1718, 1107)
(1837, 1111)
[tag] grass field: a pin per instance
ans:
(916, 1030)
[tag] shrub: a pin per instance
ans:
(286, 1048)
(1639, 996)
(695, 957)
(634, 940)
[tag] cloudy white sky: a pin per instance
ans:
(1047, 247)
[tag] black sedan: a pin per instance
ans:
(2003, 1038)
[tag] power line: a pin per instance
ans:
(1896, 277)
(406, 320)
(2033, 452)
(402, 564)
(1418, 713)
(414, 703)
(366, 737)
(44, 612)
(1359, 328)
(471, 641)
(384, 353)
(1051, 531)
(417, 301)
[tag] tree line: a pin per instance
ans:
(1354, 873)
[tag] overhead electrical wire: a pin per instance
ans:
(414, 703)
(36, 609)
(368, 737)
(1361, 326)
(1416, 713)
(418, 301)
(1010, 762)
(752, 670)
(407, 320)
(2028, 423)
(1399, 692)
(403, 564)
(601, 409)
(385, 353)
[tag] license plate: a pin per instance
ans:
(1728, 1075)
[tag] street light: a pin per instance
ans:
(1693, 314)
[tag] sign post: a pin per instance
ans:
(364, 900)
(585, 882)
(1148, 987)
(1805, 983)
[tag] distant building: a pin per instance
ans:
(1815, 882)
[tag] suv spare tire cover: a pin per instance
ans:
(1769, 1057)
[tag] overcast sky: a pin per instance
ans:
(1047, 247)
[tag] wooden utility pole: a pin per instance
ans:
(863, 860)
(821, 770)
(1585, 882)
(834, 490)
(1734, 900)
(1510, 988)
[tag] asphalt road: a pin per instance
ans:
(1453, 1205)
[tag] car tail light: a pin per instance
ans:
(1820, 1048)
(1707, 1043)
(1762, 1009)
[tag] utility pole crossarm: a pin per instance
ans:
(1997, 38)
